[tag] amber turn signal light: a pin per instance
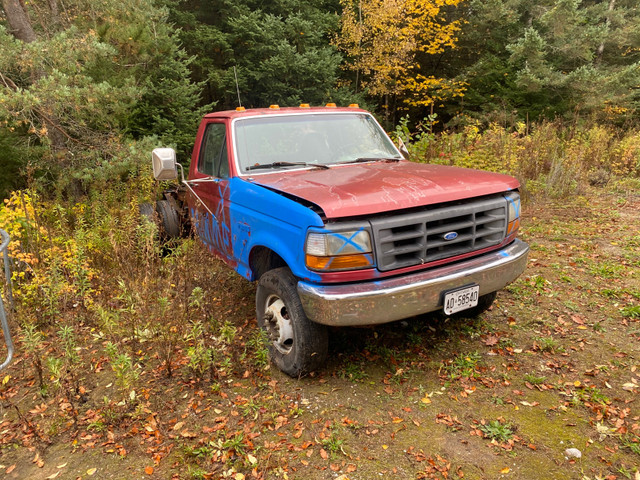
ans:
(341, 262)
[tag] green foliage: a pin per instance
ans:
(525, 60)
(124, 369)
(281, 51)
(102, 72)
(464, 365)
(498, 431)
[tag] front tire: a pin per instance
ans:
(297, 346)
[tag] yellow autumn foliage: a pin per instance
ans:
(384, 39)
(51, 269)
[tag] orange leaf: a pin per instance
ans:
(148, 470)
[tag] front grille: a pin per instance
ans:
(417, 238)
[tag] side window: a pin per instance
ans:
(213, 156)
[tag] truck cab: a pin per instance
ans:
(319, 207)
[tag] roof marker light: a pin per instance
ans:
(330, 105)
(240, 109)
(354, 105)
(305, 105)
(274, 107)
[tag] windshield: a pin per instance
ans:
(290, 141)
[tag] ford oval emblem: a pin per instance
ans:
(450, 236)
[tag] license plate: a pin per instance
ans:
(461, 299)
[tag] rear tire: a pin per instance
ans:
(297, 346)
(169, 220)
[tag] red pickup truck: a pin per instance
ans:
(319, 207)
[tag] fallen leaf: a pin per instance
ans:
(323, 454)
(148, 470)
(426, 400)
(505, 470)
(491, 340)
(252, 460)
(38, 460)
(62, 465)
(92, 471)
(10, 469)
(54, 475)
(384, 447)
(178, 425)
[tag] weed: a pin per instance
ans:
(607, 270)
(201, 356)
(589, 394)
(196, 299)
(539, 283)
(631, 311)
(534, 380)
(464, 365)
(506, 342)
(250, 409)
(259, 343)
(125, 371)
(632, 442)
(333, 444)
(547, 344)
(203, 451)
(235, 444)
(495, 430)
(353, 371)
(32, 340)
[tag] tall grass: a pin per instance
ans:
(548, 158)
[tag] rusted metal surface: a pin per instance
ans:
(383, 301)
(365, 189)
(4, 242)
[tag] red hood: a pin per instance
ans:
(364, 189)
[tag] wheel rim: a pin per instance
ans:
(278, 324)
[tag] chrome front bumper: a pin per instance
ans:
(391, 299)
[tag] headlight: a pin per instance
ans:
(513, 214)
(345, 250)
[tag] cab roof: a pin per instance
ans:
(275, 110)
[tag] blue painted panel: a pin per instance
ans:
(261, 217)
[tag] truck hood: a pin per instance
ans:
(364, 189)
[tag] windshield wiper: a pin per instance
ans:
(286, 164)
(372, 159)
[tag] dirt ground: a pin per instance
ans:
(543, 386)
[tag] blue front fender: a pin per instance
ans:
(263, 218)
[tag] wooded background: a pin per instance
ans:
(82, 81)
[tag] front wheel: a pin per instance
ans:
(296, 344)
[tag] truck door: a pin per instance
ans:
(210, 210)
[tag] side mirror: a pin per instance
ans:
(164, 163)
(403, 149)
